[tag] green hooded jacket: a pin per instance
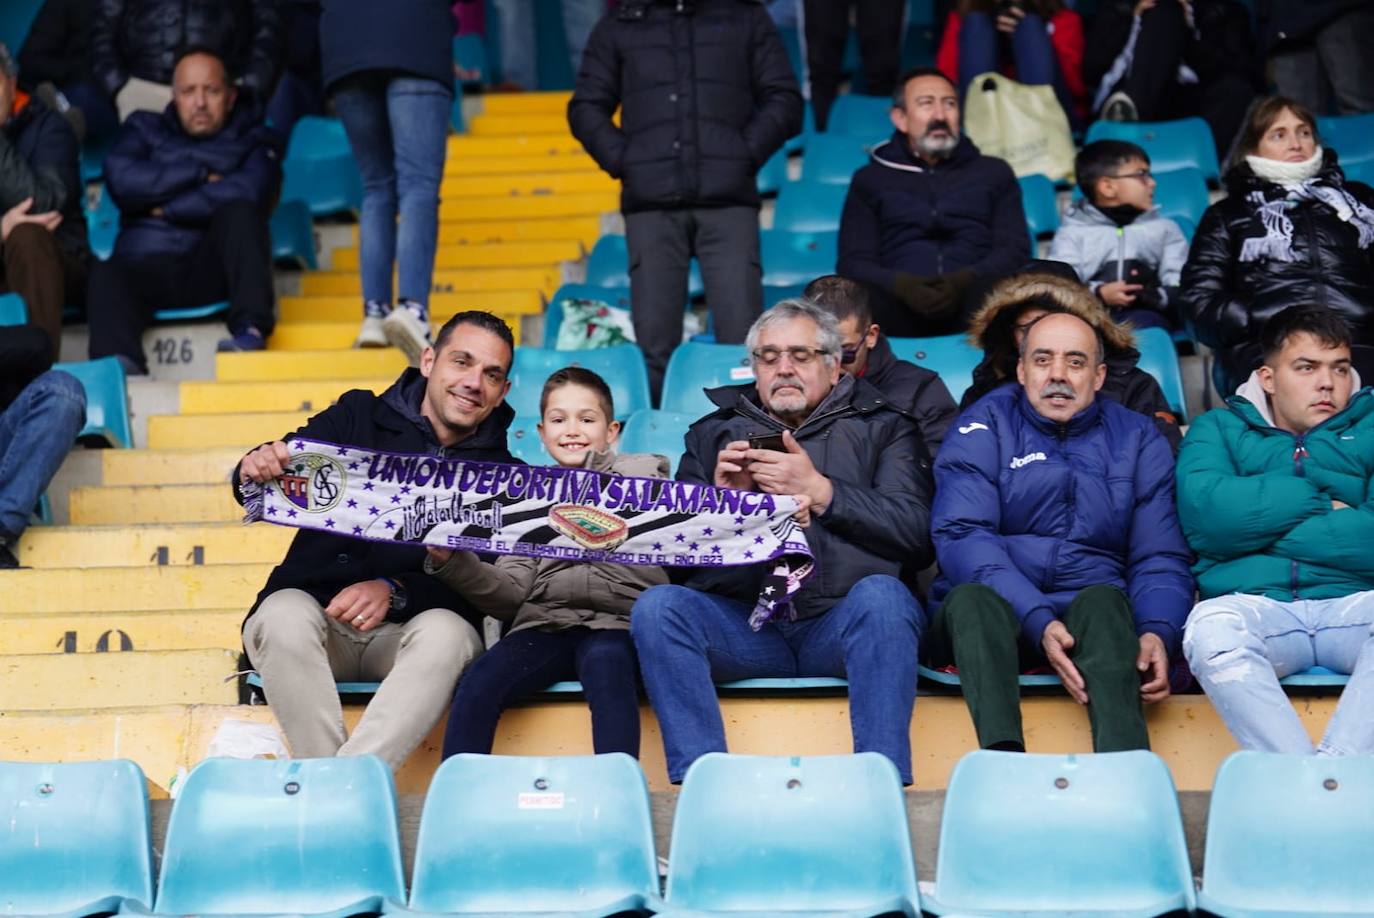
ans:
(1256, 502)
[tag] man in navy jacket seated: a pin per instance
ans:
(1058, 544)
(195, 186)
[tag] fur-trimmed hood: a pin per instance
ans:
(990, 327)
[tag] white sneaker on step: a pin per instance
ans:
(407, 331)
(372, 333)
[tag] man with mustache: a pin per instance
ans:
(1059, 545)
(1274, 496)
(802, 428)
(930, 222)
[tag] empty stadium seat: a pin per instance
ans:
(1181, 193)
(622, 366)
(795, 259)
(1041, 205)
(866, 117)
(695, 367)
(298, 836)
(783, 835)
(1290, 835)
(553, 312)
(658, 432)
(102, 224)
(608, 265)
(293, 235)
(951, 356)
(531, 835)
(523, 439)
(470, 53)
(804, 207)
(1316, 676)
(1159, 358)
(1351, 136)
(832, 159)
(74, 839)
(107, 401)
(1360, 172)
(1185, 143)
(773, 175)
(319, 168)
(13, 309)
(1061, 834)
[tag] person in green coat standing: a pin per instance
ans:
(1274, 494)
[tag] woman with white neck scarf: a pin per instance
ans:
(1290, 231)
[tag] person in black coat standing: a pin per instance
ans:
(339, 609)
(706, 96)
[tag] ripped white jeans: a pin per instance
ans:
(1240, 645)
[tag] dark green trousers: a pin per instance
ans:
(978, 631)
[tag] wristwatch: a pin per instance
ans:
(398, 594)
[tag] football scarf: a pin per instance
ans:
(538, 511)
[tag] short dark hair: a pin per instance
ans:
(1321, 323)
(578, 376)
(899, 91)
(478, 319)
(186, 51)
(1102, 158)
(841, 297)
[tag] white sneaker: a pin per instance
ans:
(372, 333)
(405, 330)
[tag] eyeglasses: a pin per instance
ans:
(1143, 174)
(849, 354)
(799, 355)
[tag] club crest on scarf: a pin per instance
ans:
(313, 482)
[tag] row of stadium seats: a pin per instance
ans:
(1020, 834)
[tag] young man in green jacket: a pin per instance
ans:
(1274, 496)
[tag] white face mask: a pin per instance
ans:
(1281, 173)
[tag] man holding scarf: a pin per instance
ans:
(339, 609)
(802, 428)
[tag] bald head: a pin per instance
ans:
(1061, 366)
(202, 93)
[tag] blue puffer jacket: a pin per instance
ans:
(154, 163)
(1038, 511)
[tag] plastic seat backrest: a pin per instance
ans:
(796, 258)
(695, 367)
(107, 402)
(608, 265)
(13, 310)
(317, 137)
(470, 51)
(532, 834)
(289, 835)
(293, 233)
(860, 116)
(1181, 193)
(73, 835)
(659, 432)
(1256, 857)
(523, 438)
(1351, 136)
(1041, 205)
(773, 174)
(950, 356)
(622, 366)
(806, 207)
(1118, 843)
(553, 312)
(778, 834)
(832, 159)
(1159, 358)
(1171, 145)
(1362, 171)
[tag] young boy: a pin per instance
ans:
(1118, 243)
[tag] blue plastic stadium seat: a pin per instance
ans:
(455, 111)
(107, 401)
(805, 207)
(192, 313)
(1185, 143)
(102, 224)
(524, 835)
(1041, 206)
(773, 175)
(74, 839)
(608, 265)
(1025, 680)
(1290, 835)
(1186, 226)
(791, 43)
(470, 53)
(15, 18)
(622, 366)
(951, 356)
(694, 367)
(1317, 676)
(658, 432)
(832, 159)
(1351, 136)
(93, 158)
(553, 312)
(1159, 358)
(866, 117)
(1360, 172)
(782, 835)
(1061, 834)
(13, 309)
(345, 688)
(319, 167)
(525, 445)
(293, 235)
(773, 294)
(796, 259)
(297, 836)
(1181, 193)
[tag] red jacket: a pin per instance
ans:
(1066, 35)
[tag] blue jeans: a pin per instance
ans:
(1032, 54)
(397, 127)
(688, 640)
(519, 42)
(1240, 645)
(36, 432)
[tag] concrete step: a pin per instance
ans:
(494, 255)
(337, 336)
(519, 165)
(544, 280)
(180, 545)
(584, 228)
(526, 103)
(200, 465)
(127, 505)
(508, 208)
(199, 398)
(61, 681)
(363, 363)
(144, 589)
(554, 144)
(508, 304)
(245, 429)
(519, 125)
(120, 632)
(183, 350)
(523, 184)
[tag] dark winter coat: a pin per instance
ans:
(706, 95)
(41, 159)
(916, 390)
(141, 38)
(154, 163)
(1229, 301)
(321, 563)
(25, 355)
(1039, 511)
(879, 519)
(905, 217)
(55, 49)
(407, 37)
(1287, 21)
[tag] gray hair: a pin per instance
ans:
(828, 338)
(8, 68)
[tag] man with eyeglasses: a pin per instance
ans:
(802, 428)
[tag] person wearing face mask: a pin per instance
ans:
(1059, 545)
(1291, 230)
(930, 222)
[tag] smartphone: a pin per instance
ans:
(768, 441)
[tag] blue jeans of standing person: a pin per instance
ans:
(1239, 646)
(519, 43)
(529, 661)
(688, 640)
(1031, 51)
(37, 431)
(397, 127)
